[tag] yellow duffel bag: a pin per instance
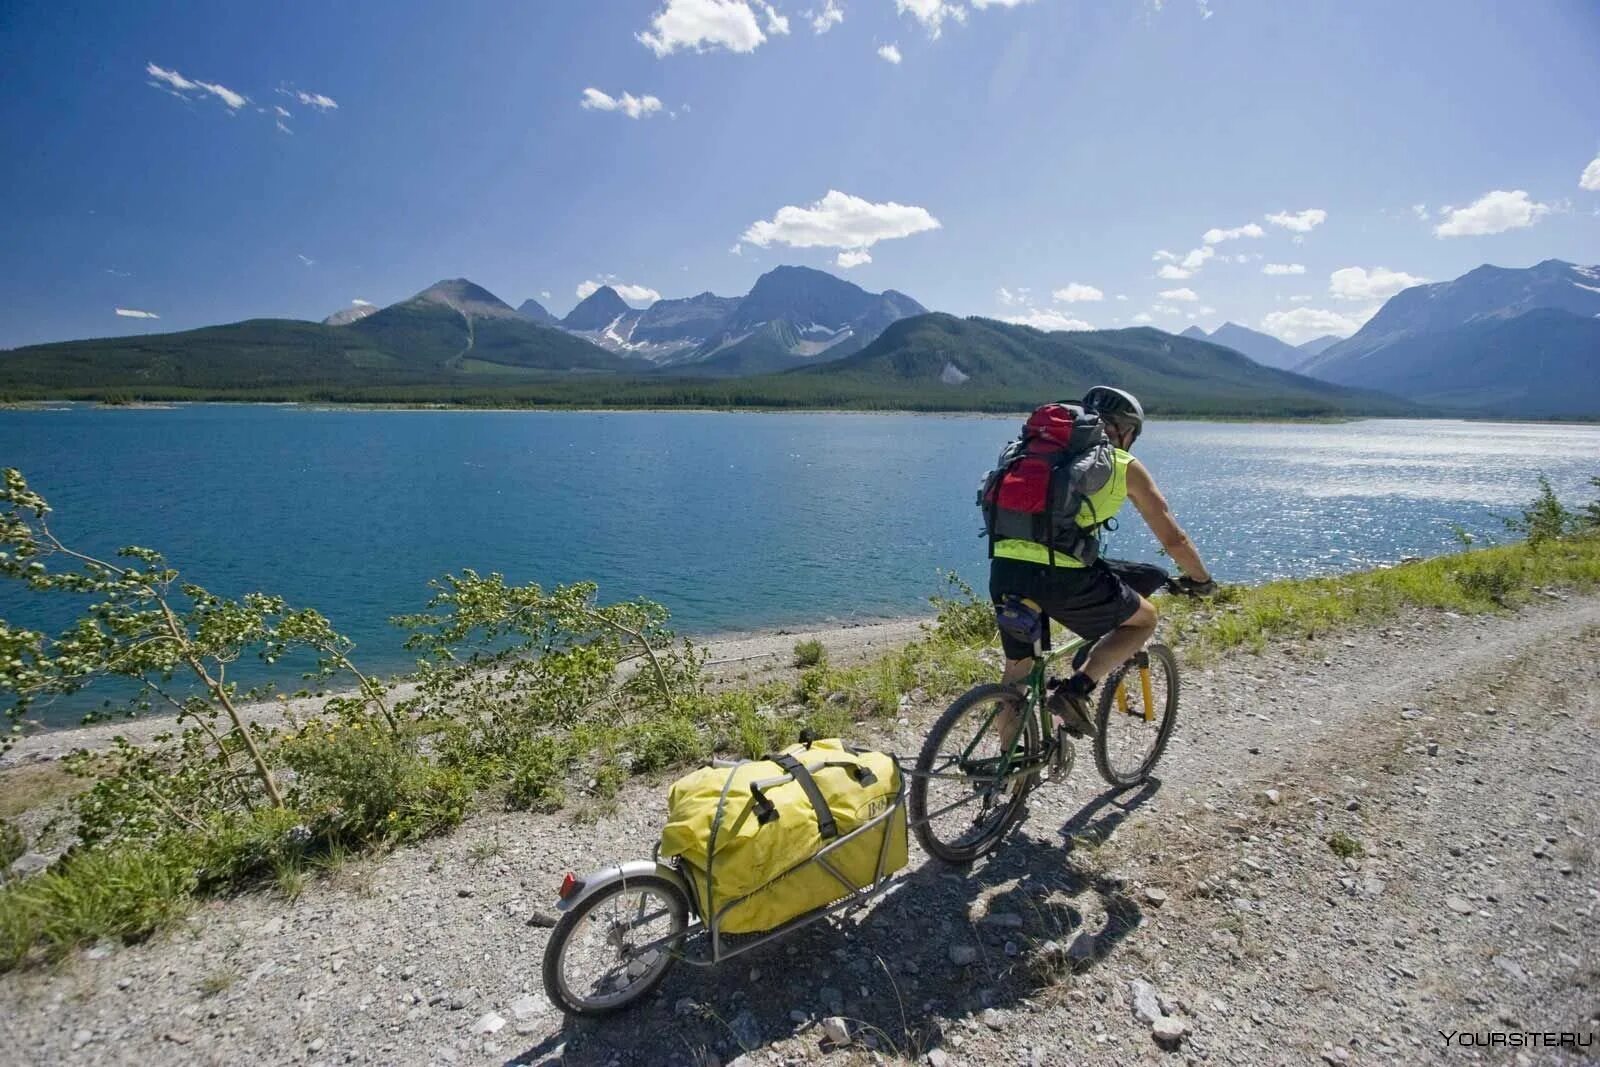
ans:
(749, 849)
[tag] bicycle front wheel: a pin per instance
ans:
(1138, 710)
(965, 793)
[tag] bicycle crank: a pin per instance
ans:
(1064, 756)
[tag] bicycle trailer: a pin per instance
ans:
(765, 841)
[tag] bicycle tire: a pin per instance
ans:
(1160, 657)
(1004, 818)
(555, 984)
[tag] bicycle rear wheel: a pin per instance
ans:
(961, 803)
(1134, 724)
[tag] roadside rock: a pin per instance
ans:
(1145, 1000)
(1169, 1031)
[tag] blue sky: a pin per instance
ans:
(1020, 157)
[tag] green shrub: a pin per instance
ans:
(669, 741)
(538, 774)
(12, 845)
(1545, 519)
(1494, 580)
(1343, 845)
(809, 653)
(961, 616)
(361, 784)
(814, 685)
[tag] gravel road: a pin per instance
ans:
(1203, 919)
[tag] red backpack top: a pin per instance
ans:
(1035, 491)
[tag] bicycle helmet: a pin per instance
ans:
(1118, 406)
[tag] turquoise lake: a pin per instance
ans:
(734, 521)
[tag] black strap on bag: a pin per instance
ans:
(766, 811)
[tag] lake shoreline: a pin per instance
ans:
(761, 654)
(45, 404)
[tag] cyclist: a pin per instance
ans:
(1094, 602)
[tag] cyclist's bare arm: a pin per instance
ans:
(1158, 516)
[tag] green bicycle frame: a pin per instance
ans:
(1010, 766)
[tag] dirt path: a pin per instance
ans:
(1458, 755)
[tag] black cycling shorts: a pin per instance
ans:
(1090, 601)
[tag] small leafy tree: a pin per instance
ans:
(506, 665)
(171, 644)
(1545, 519)
(1590, 517)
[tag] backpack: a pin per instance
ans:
(1044, 478)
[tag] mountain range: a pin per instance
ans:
(1263, 348)
(792, 317)
(1521, 342)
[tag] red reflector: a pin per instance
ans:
(569, 886)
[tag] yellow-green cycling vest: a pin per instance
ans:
(1100, 506)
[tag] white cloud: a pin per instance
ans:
(840, 220)
(1197, 258)
(307, 260)
(1299, 221)
(981, 4)
(282, 112)
(1305, 323)
(635, 107)
(1300, 298)
(826, 19)
(1143, 317)
(932, 13)
(701, 25)
(316, 100)
(1420, 211)
(1175, 274)
(1048, 320)
(890, 53)
(1011, 298)
(1208, 310)
(1590, 178)
(171, 78)
(1493, 212)
(362, 303)
(180, 86)
(544, 294)
(135, 313)
(853, 257)
(282, 128)
(1166, 309)
(1215, 235)
(1284, 268)
(777, 24)
(1188, 296)
(1077, 292)
(633, 294)
(1379, 283)
(1163, 256)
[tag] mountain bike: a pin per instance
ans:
(996, 743)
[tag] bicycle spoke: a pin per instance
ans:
(969, 785)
